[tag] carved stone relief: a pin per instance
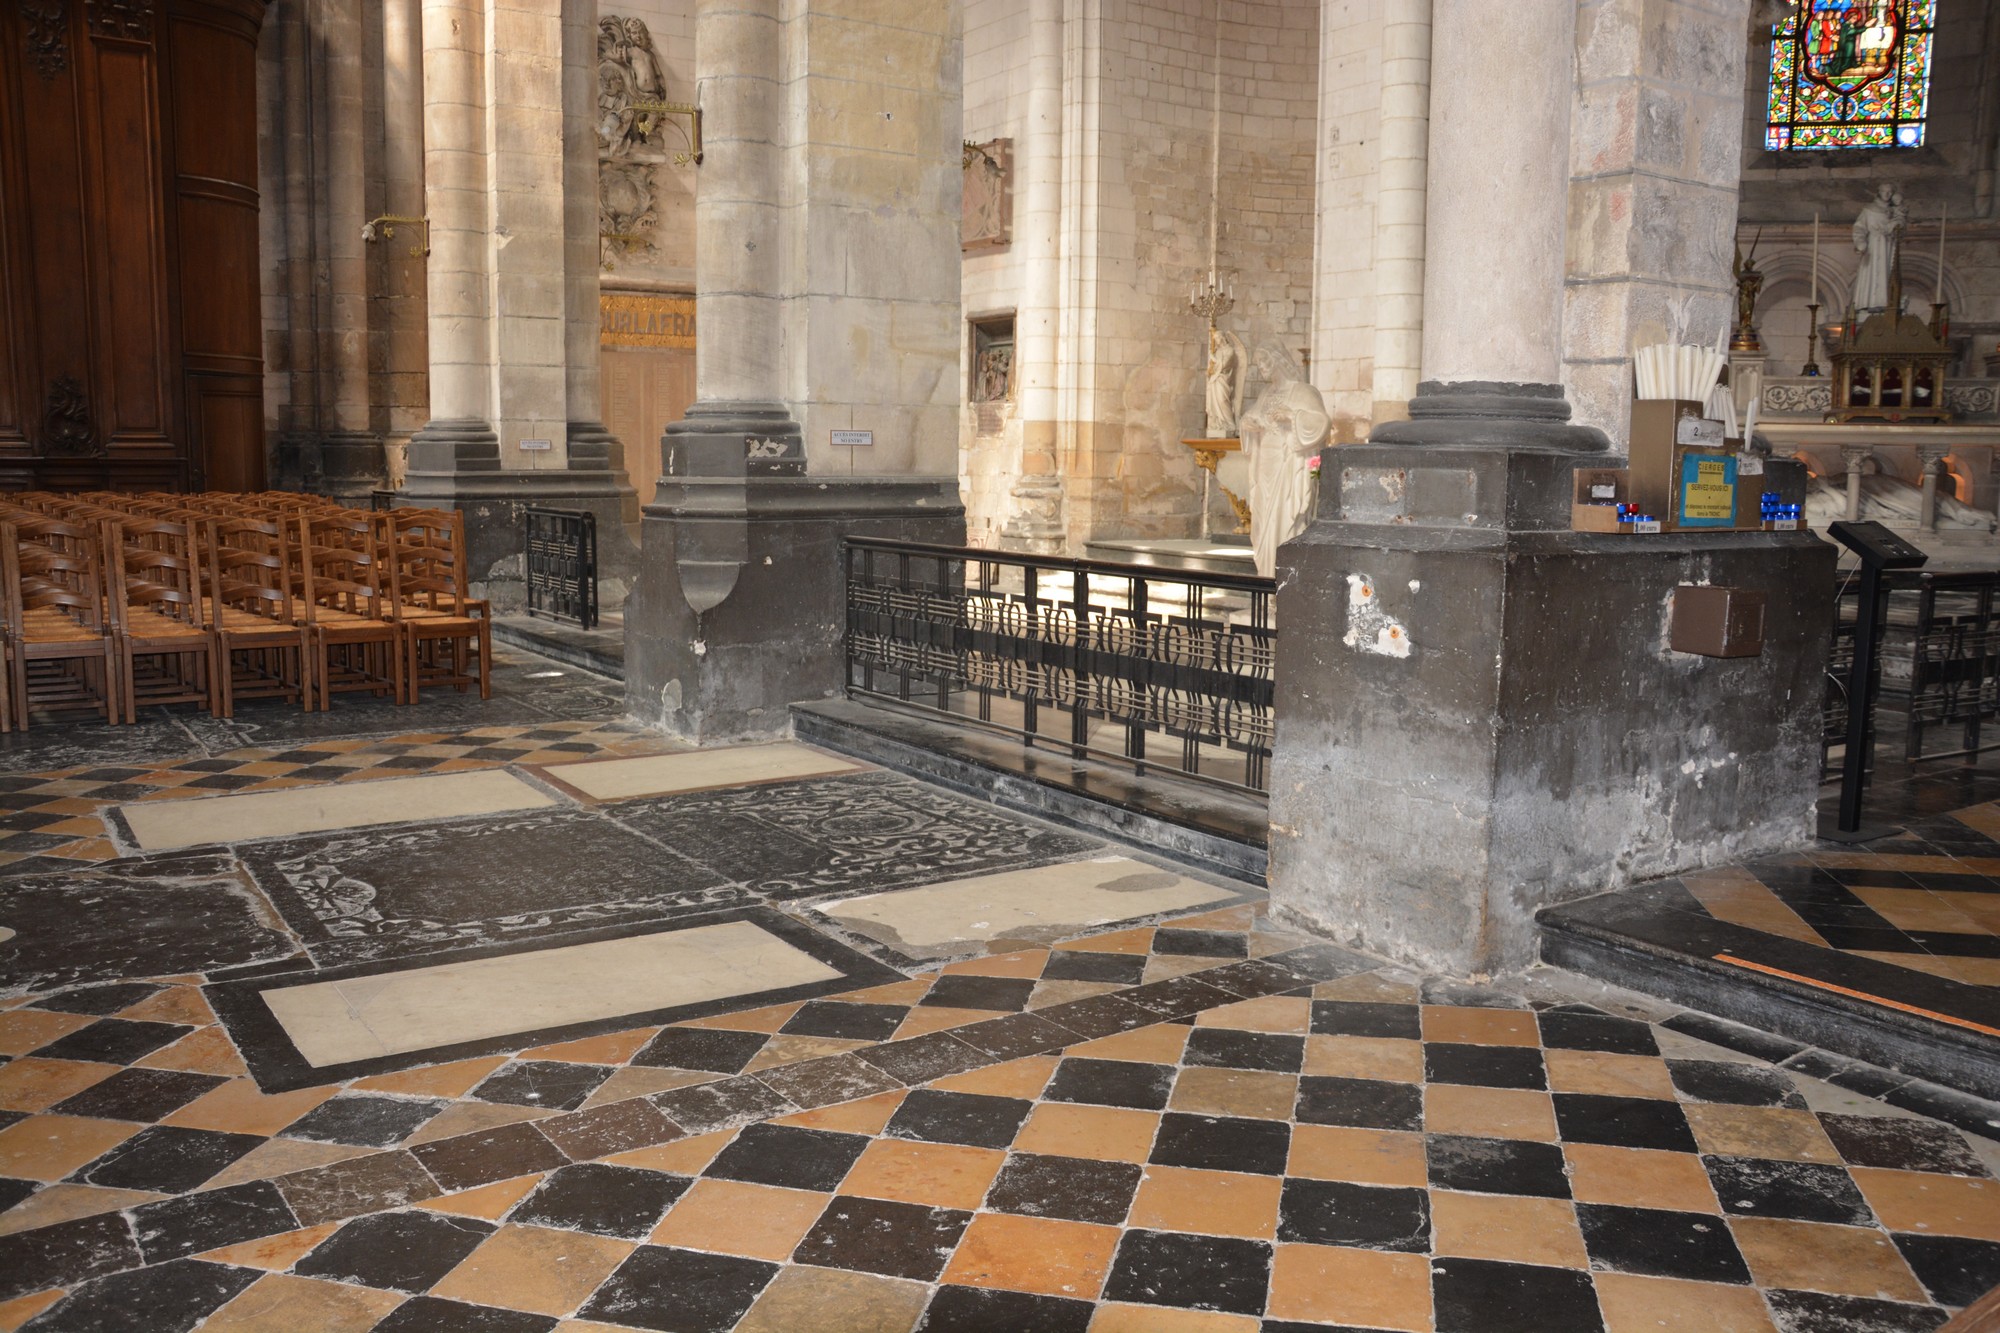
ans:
(631, 139)
(627, 213)
(66, 428)
(988, 220)
(47, 26)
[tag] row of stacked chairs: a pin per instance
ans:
(111, 602)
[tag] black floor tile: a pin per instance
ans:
(1340, 1018)
(1800, 1191)
(466, 1160)
(174, 1297)
(554, 1085)
(1077, 1189)
(853, 1022)
(1497, 1166)
(1222, 1143)
(1178, 996)
(432, 1314)
(1362, 1103)
(1190, 1272)
(716, 1050)
(1956, 1270)
(679, 1291)
(972, 1119)
(1656, 1243)
(167, 1159)
(1735, 1084)
(1900, 1145)
(1016, 1035)
(1811, 1312)
(408, 1251)
(1368, 1217)
(1201, 943)
(1485, 1066)
(364, 1121)
(1971, 1114)
(1123, 969)
(803, 1159)
(979, 1310)
(1487, 1296)
(1112, 1083)
(723, 1104)
(878, 1236)
(64, 1254)
(173, 1228)
(145, 1095)
(113, 1041)
(1597, 1032)
(1623, 1122)
(14, 1191)
(606, 1200)
(102, 1001)
(1005, 994)
(921, 1059)
(1227, 1048)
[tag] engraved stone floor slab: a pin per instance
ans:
(386, 893)
(861, 833)
(1045, 903)
(167, 825)
(334, 1022)
(735, 766)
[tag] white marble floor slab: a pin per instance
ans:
(1045, 903)
(161, 825)
(391, 1013)
(696, 770)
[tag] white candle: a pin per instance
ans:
(1938, 298)
(1815, 282)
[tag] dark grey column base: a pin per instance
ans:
(721, 439)
(593, 448)
(451, 445)
(731, 670)
(352, 463)
(1488, 414)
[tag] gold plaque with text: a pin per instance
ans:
(646, 321)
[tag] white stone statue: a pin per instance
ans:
(1282, 433)
(1877, 233)
(1225, 383)
(1890, 500)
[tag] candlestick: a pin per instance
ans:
(1938, 297)
(1815, 280)
(1812, 339)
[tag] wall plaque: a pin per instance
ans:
(630, 320)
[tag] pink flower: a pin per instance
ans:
(1314, 467)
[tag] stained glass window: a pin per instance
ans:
(1851, 74)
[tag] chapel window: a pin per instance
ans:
(1850, 74)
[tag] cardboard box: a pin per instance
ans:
(1599, 492)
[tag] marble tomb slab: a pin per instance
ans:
(391, 892)
(114, 920)
(1043, 904)
(861, 833)
(167, 825)
(696, 770)
(301, 1029)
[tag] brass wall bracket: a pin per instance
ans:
(384, 229)
(675, 113)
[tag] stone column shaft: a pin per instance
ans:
(1037, 493)
(1400, 205)
(455, 181)
(407, 359)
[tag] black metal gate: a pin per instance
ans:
(562, 565)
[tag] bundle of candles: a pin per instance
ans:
(1678, 370)
(1722, 407)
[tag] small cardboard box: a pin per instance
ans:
(1599, 492)
(1661, 429)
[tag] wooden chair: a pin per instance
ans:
(166, 653)
(351, 642)
(52, 615)
(443, 626)
(260, 639)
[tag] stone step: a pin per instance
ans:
(1645, 940)
(1206, 827)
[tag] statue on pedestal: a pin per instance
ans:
(1282, 433)
(1877, 233)
(1225, 383)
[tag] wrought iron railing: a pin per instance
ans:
(1162, 669)
(562, 565)
(1939, 664)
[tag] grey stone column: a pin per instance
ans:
(1495, 209)
(1477, 713)
(1036, 523)
(350, 448)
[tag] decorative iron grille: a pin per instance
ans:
(562, 565)
(1162, 669)
(1954, 660)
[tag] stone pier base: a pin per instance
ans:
(1478, 713)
